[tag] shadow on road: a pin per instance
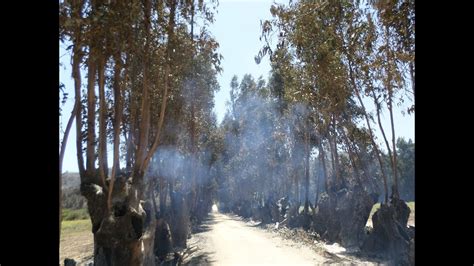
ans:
(201, 259)
(205, 225)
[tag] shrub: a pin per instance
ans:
(69, 214)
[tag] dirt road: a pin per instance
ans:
(226, 240)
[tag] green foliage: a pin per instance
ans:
(332, 54)
(70, 214)
(73, 227)
(72, 199)
(406, 166)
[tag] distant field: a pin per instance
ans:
(74, 227)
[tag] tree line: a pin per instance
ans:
(144, 78)
(302, 149)
(263, 153)
(298, 148)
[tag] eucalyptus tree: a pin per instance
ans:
(72, 27)
(320, 36)
(320, 77)
(136, 41)
(396, 58)
(250, 159)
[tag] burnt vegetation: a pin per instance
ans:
(298, 149)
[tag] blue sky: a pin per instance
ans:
(237, 29)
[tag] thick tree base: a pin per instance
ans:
(270, 213)
(341, 216)
(390, 239)
(163, 240)
(243, 208)
(123, 236)
(297, 219)
(179, 220)
(123, 241)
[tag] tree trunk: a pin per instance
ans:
(103, 168)
(322, 157)
(144, 127)
(153, 197)
(306, 168)
(193, 158)
(193, 126)
(318, 181)
(352, 157)
(390, 109)
(412, 75)
(170, 44)
(297, 187)
(76, 74)
(77, 110)
(334, 158)
(131, 135)
(389, 150)
(61, 157)
(339, 178)
(371, 134)
(163, 195)
(394, 158)
(331, 181)
(90, 164)
(367, 120)
(117, 123)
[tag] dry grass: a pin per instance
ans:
(76, 240)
